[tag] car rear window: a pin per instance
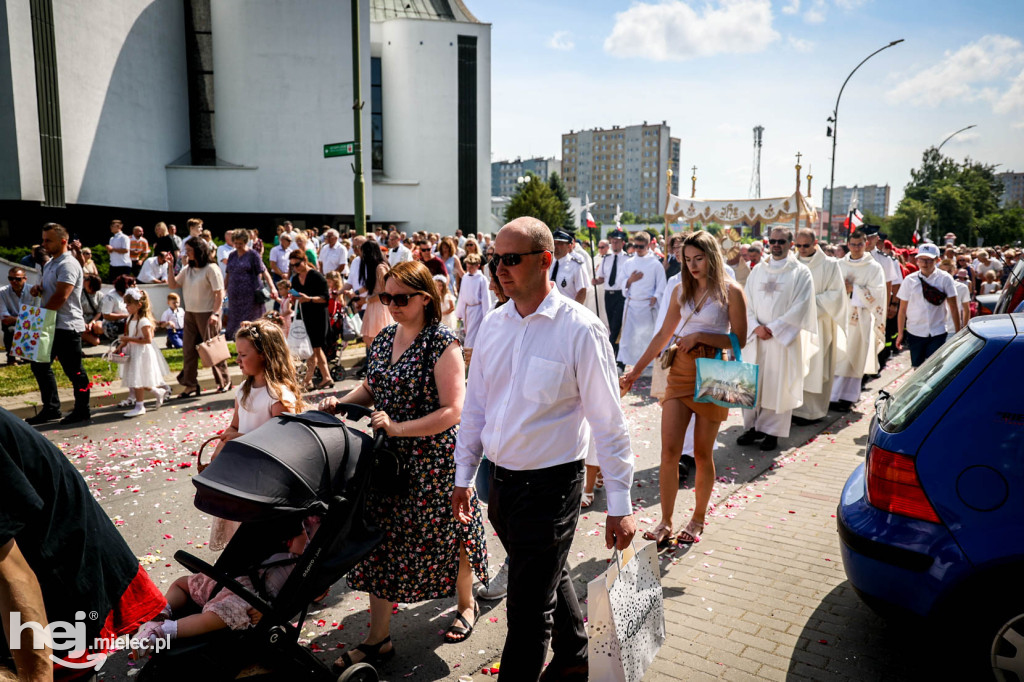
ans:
(1013, 290)
(908, 401)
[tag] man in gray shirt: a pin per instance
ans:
(61, 290)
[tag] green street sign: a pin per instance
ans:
(339, 149)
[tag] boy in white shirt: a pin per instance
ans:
(173, 320)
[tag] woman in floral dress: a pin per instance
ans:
(245, 273)
(415, 381)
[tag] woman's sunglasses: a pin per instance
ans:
(510, 260)
(400, 300)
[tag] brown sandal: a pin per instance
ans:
(691, 533)
(656, 535)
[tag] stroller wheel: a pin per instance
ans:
(360, 672)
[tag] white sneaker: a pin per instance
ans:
(135, 411)
(497, 587)
(127, 402)
(161, 396)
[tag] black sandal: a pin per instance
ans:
(371, 655)
(462, 631)
(190, 393)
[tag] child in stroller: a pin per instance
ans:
(226, 609)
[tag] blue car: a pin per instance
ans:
(932, 524)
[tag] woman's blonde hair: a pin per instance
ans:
(268, 340)
(716, 268)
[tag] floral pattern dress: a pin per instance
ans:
(419, 556)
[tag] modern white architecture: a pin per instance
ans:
(159, 109)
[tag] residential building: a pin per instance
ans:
(1013, 189)
(204, 107)
(505, 174)
(624, 166)
(874, 198)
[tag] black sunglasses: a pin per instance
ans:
(802, 246)
(400, 300)
(15, 279)
(638, 245)
(510, 260)
(778, 242)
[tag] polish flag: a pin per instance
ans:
(854, 220)
(916, 237)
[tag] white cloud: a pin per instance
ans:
(963, 137)
(800, 45)
(815, 14)
(674, 31)
(561, 40)
(850, 4)
(792, 8)
(1013, 98)
(960, 75)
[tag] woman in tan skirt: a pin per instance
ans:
(705, 307)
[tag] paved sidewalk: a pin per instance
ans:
(764, 595)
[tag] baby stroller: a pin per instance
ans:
(291, 467)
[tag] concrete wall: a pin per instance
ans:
(21, 169)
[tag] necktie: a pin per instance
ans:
(554, 272)
(615, 269)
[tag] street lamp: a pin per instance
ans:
(834, 129)
(954, 135)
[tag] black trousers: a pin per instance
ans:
(8, 339)
(116, 270)
(614, 303)
(67, 348)
(534, 514)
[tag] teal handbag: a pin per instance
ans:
(725, 383)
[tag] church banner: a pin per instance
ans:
(732, 212)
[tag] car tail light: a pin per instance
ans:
(893, 486)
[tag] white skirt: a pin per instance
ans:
(147, 367)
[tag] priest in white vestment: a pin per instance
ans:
(474, 300)
(645, 282)
(865, 327)
(830, 299)
(783, 320)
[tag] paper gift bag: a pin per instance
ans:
(625, 617)
(727, 383)
(33, 332)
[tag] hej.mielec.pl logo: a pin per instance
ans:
(69, 639)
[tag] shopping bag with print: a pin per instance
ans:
(298, 339)
(625, 616)
(730, 383)
(33, 332)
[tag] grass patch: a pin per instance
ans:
(18, 379)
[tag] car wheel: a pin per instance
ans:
(1007, 650)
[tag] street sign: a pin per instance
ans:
(339, 149)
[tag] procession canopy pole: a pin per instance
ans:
(810, 196)
(668, 198)
(693, 192)
(796, 221)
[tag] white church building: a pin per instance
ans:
(164, 109)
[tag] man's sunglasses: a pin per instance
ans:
(16, 279)
(639, 245)
(400, 300)
(778, 242)
(510, 260)
(801, 246)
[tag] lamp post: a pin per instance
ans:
(954, 135)
(834, 128)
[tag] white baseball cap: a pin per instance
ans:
(927, 251)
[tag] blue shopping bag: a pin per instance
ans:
(731, 383)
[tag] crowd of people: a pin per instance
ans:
(528, 438)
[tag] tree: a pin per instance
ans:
(558, 187)
(628, 218)
(1003, 227)
(909, 214)
(535, 198)
(953, 211)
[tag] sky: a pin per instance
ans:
(714, 69)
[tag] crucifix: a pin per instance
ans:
(693, 189)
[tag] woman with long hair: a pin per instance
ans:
(447, 251)
(415, 382)
(372, 271)
(705, 307)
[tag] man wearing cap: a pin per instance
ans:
(610, 274)
(567, 269)
(645, 282)
(893, 279)
(922, 316)
(830, 302)
(865, 327)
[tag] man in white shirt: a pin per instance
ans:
(397, 251)
(893, 279)
(544, 369)
(119, 248)
(279, 256)
(644, 282)
(611, 273)
(333, 254)
(154, 269)
(224, 251)
(924, 297)
(567, 269)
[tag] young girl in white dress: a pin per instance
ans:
(269, 389)
(448, 318)
(146, 367)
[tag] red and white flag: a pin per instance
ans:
(587, 214)
(916, 237)
(854, 220)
